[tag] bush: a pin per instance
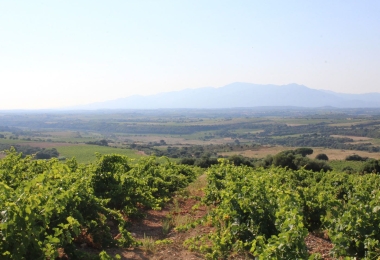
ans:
(284, 159)
(371, 166)
(356, 157)
(188, 161)
(205, 162)
(47, 154)
(239, 160)
(348, 169)
(322, 157)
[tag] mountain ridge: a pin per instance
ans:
(240, 94)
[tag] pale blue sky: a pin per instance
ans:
(63, 53)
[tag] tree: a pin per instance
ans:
(355, 157)
(239, 160)
(322, 157)
(284, 159)
(303, 151)
(47, 153)
(188, 161)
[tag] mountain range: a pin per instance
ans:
(238, 95)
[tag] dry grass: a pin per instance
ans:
(196, 188)
(336, 154)
(148, 244)
(259, 153)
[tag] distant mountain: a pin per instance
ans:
(242, 95)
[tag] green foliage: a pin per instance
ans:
(206, 161)
(355, 157)
(346, 166)
(371, 166)
(37, 152)
(47, 154)
(295, 159)
(268, 212)
(239, 160)
(322, 156)
(87, 153)
(285, 159)
(102, 142)
(46, 204)
(303, 151)
(188, 161)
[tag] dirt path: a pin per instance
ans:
(153, 228)
(181, 211)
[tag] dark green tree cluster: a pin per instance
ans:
(356, 157)
(102, 142)
(296, 159)
(207, 160)
(322, 157)
(37, 152)
(47, 154)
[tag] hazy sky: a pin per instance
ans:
(62, 53)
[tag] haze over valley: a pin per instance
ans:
(242, 95)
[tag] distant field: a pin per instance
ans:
(178, 140)
(46, 144)
(353, 122)
(336, 154)
(86, 153)
(333, 154)
(355, 138)
(339, 165)
(11, 141)
(298, 121)
(260, 152)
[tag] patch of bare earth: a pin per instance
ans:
(319, 245)
(151, 228)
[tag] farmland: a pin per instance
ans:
(102, 172)
(335, 132)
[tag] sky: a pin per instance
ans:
(56, 54)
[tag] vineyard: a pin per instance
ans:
(267, 213)
(49, 208)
